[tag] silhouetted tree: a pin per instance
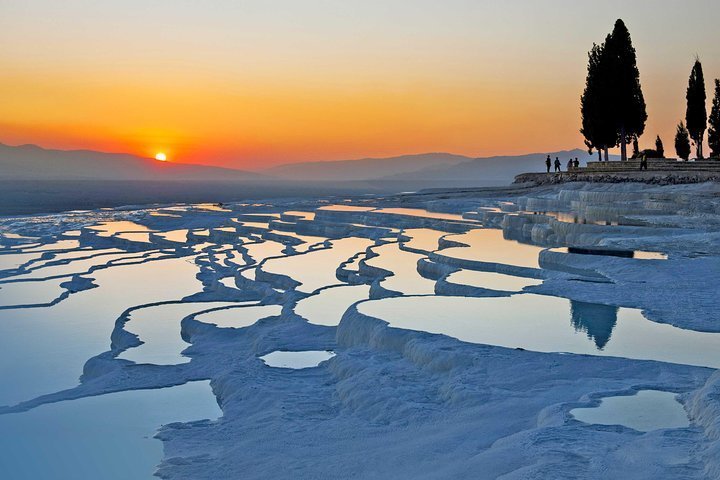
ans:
(696, 113)
(714, 130)
(636, 148)
(626, 103)
(682, 142)
(659, 147)
(597, 125)
(597, 321)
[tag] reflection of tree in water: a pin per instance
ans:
(594, 319)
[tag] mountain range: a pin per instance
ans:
(426, 169)
(30, 162)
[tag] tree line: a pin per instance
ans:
(613, 109)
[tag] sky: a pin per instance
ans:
(255, 83)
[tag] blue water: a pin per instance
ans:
(107, 437)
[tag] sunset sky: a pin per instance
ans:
(249, 84)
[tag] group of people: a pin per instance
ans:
(571, 164)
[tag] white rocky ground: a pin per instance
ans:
(216, 288)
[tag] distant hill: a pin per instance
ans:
(424, 170)
(30, 162)
(363, 169)
(493, 170)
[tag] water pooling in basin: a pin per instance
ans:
(158, 327)
(419, 212)
(549, 324)
(328, 306)
(296, 360)
(491, 280)
(317, 269)
(107, 437)
(178, 236)
(44, 349)
(403, 265)
(346, 208)
(423, 239)
(140, 237)
(490, 246)
(108, 229)
(30, 293)
(645, 411)
(238, 317)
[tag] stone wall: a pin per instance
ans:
(659, 177)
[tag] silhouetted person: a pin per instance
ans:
(576, 164)
(570, 165)
(643, 161)
(548, 163)
(557, 165)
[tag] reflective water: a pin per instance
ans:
(239, 317)
(424, 239)
(316, 269)
(97, 258)
(296, 360)
(489, 245)
(10, 261)
(108, 229)
(549, 324)
(30, 293)
(405, 277)
(141, 237)
(300, 214)
(491, 280)
(106, 437)
(346, 208)
(159, 328)
(328, 306)
(266, 249)
(645, 411)
(179, 236)
(43, 350)
(418, 212)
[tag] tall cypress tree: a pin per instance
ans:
(597, 125)
(714, 130)
(682, 142)
(659, 147)
(627, 102)
(696, 113)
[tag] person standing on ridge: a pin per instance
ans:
(570, 165)
(557, 165)
(548, 163)
(576, 165)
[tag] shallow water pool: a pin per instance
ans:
(549, 324)
(645, 411)
(107, 437)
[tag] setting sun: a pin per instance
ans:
(161, 157)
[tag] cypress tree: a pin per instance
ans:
(627, 102)
(682, 142)
(636, 148)
(696, 113)
(597, 126)
(659, 147)
(714, 130)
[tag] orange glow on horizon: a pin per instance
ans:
(250, 87)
